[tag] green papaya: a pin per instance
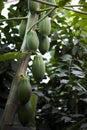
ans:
(22, 28)
(32, 41)
(38, 68)
(25, 114)
(24, 90)
(33, 100)
(44, 44)
(45, 26)
(34, 6)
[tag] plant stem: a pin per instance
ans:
(57, 6)
(16, 18)
(50, 4)
(79, 5)
(77, 11)
(42, 10)
(12, 102)
(47, 3)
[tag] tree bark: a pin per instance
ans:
(12, 102)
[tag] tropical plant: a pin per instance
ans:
(62, 94)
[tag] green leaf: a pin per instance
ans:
(1, 5)
(66, 57)
(11, 55)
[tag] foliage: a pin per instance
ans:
(63, 97)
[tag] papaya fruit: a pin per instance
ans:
(32, 41)
(44, 44)
(33, 100)
(45, 26)
(24, 90)
(22, 28)
(38, 68)
(34, 6)
(25, 114)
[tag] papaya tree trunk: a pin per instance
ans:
(12, 102)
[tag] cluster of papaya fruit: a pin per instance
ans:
(38, 40)
(27, 102)
(24, 93)
(34, 41)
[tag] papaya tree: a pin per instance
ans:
(34, 30)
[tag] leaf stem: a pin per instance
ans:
(57, 6)
(16, 18)
(47, 3)
(79, 5)
(50, 4)
(46, 9)
(77, 11)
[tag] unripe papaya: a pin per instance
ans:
(38, 68)
(24, 90)
(33, 100)
(25, 114)
(32, 41)
(44, 44)
(34, 6)
(45, 26)
(22, 28)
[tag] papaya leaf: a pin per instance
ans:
(1, 5)
(11, 55)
